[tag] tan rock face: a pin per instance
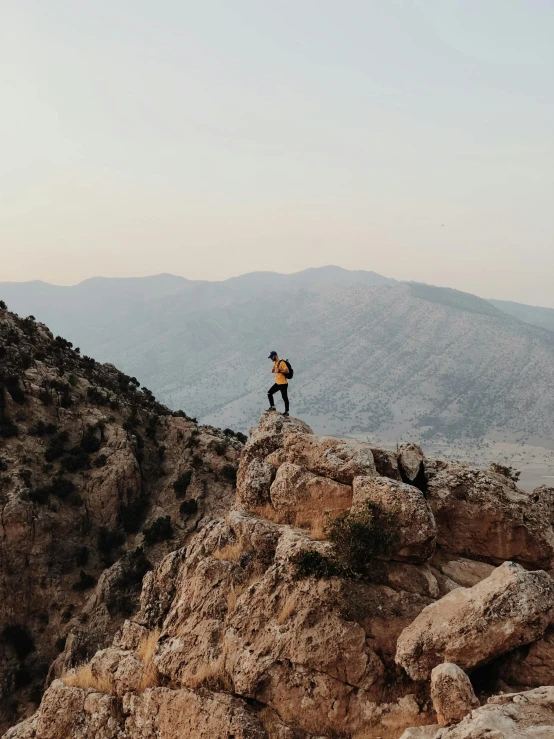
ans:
(412, 516)
(486, 515)
(339, 459)
(452, 693)
(297, 491)
(466, 572)
(258, 463)
(527, 715)
(471, 626)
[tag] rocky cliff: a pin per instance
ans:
(98, 482)
(349, 592)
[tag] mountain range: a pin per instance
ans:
(372, 356)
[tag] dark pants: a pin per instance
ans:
(284, 392)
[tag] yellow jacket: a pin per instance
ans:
(278, 368)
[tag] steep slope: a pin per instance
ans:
(272, 624)
(535, 315)
(98, 481)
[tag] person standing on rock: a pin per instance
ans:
(280, 370)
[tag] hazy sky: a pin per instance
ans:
(214, 137)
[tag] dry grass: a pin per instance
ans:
(230, 552)
(147, 646)
(82, 677)
(213, 675)
(270, 513)
(237, 589)
(315, 525)
(286, 611)
(145, 651)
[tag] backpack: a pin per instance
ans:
(290, 369)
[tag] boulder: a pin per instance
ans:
(339, 459)
(527, 715)
(300, 492)
(472, 626)
(452, 693)
(410, 462)
(386, 463)
(466, 572)
(485, 515)
(411, 515)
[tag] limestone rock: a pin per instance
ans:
(466, 572)
(471, 626)
(452, 693)
(410, 461)
(527, 715)
(339, 459)
(421, 732)
(258, 464)
(485, 514)
(302, 493)
(413, 520)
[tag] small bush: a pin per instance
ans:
(182, 483)
(109, 542)
(220, 448)
(90, 443)
(3, 305)
(77, 459)
(20, 639)
(229, 473)
(56, 446)
(310, 563)
(505, 471)
(358, 538)
(159, 530)
(131, 516)
(82, 556)
(42, 429)
(124, 594)
(100, 460)
(188, 508)
(85, 582)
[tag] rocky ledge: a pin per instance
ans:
(351, 592)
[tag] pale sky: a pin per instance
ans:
(209, 138)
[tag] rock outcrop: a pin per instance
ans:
(527, 715)
(98, 482)
(484, 514)
(472, 626)
(265, 626)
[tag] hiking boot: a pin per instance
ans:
(271, 408)
(285, 414)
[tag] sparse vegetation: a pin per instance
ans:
(158, 531)
(85, 582)
(505, 471)
(230, 552)
(357, 539)
(182, 483)
(188, 508)
(124, 594)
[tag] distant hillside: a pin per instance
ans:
(372, 356)
(543, 317)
